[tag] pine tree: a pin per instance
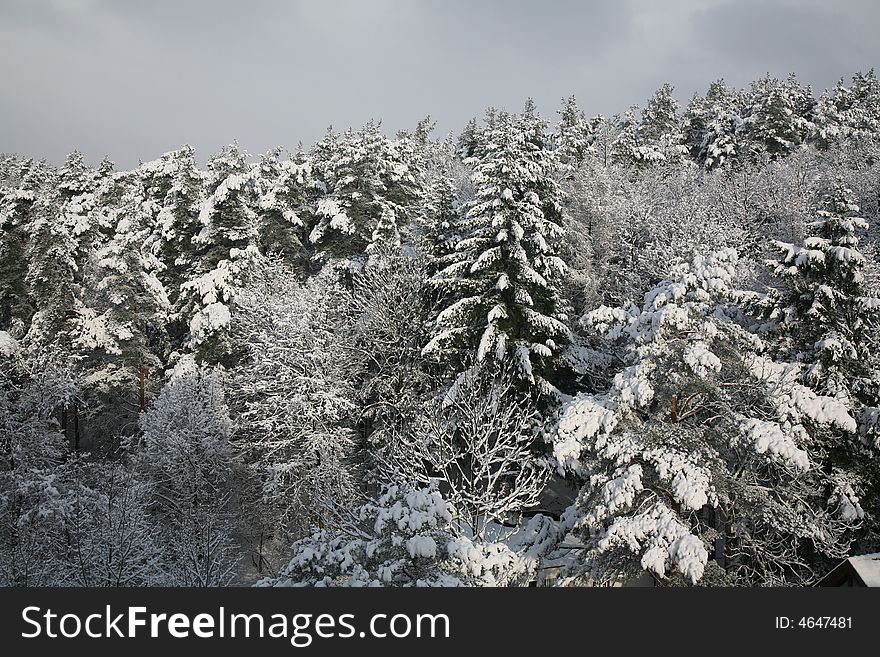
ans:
(80, 190)
(224, 248)
(712, 125)
(850, 112)
(467, 140)
(602, 136)
(368, 191)
(75, 177)
(281, 187)
(625, 144)
(501, 291)
(53, 272)
(826, 306)
(573, 133)
(778, 115)
(16, 216)
(174, 185)
(827, 317)
(659, 132)
(120, 324)
(702, 447)
(227, 215)
(660, 116)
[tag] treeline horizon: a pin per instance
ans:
(695, 111)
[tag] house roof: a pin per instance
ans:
(867, 567)
(861, 570)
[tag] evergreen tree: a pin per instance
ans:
(501, 292)
(625, 144)
(826, 306)
(828, 317)
(660, 134)
(75, 177)
(702, 447)
(850, 112)
(602, 136)
(16, 217)
(52, 276)
(712, 125)
(120, 325)
(467, 140)
(227, 216)
(281, 187)
(224, 248)
(174, 184)
(368, 192)
(778, 115)
(573, 133)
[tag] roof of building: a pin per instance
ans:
(867, 567)
(861, 570)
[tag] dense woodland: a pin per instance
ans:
(643, 343)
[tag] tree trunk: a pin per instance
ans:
(76, 428)
(142, 387)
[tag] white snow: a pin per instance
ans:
(8, 345)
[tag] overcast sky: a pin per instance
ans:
(134, 78)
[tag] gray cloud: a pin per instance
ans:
(131, 79)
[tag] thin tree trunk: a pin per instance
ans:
(76, 428)
(142, 389)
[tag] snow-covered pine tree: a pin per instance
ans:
(227, 216)
(174, 184)
(53, 272)
(625, 143)
(701, 448)
(827, 317)
(75, 177)
(711, 126)
(281, 186)
(573, 133)
(825, 306)
(697, 116)
(368, 189)
(603, 132)
(441, 212)
(501, 293)
(82, 191)
(466, 144)
(850, 112)
(16, 216)
(224, 247)
(442, 182)
(435, 170)
(777, 115)
(659, 132)
(121, 322)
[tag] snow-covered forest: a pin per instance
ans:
(614, 348)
